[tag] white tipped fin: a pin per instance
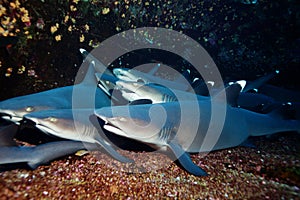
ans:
(242, 83)
(154, 69)
(232, 93)
(89, 77)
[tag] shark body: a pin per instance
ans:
(133, 91)
(59, 98)
(238, 126)
(137, 76)
(35, 156)
(72, 124)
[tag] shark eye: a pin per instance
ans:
(29, 109)
(140, 80)
(52, 119)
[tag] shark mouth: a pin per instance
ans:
(34, 123)
(13, 118)
(113, 129)
(46, 129)
(5, 116)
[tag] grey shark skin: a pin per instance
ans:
(7, 133)
(157, 94)
(59, 98)
(280, 94)
(239, 125)
(61, 123)
(203, 88)
(35, 156)
(259, 82)
(135, 76)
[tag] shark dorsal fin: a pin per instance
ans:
(89, 78)
(232, 93)
(181, 79)
(187, 75)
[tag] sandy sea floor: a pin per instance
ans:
(269, 171)
(245, 41)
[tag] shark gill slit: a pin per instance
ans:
(168, 98)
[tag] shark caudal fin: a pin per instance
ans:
(273, 122)
(154, 69)
(15, 154)
(260, 81)
(44, 153)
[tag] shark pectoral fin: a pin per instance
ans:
(113, 153)
(101, 140)
(7, 133)
(185, 160)
(248, 143)
(140, 101)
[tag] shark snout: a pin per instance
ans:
(10, 115)
(5, 115)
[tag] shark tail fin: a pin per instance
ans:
(44, 153)
(154, 69)
(278, 120)
(260, 81)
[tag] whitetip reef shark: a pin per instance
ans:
(137, 76)
(133, 91)
(62, 123)
(239, 125)
(59, 98)
(34, 156)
